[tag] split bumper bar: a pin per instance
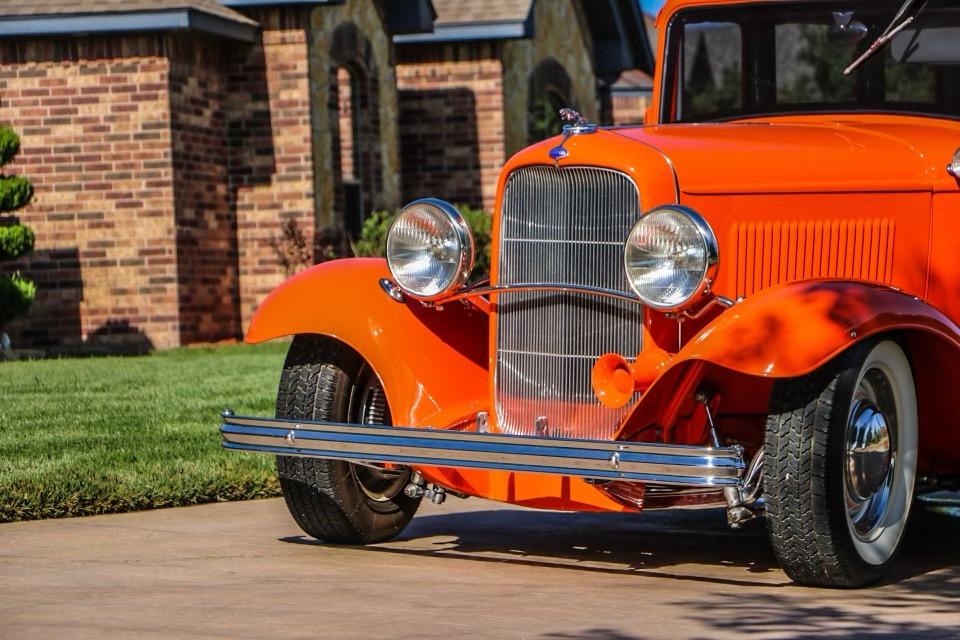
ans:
(594, 459)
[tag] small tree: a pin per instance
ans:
(16, 240)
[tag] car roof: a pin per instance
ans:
(673, 5)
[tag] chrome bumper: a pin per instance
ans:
(595, 459)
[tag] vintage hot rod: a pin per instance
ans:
(752, 301)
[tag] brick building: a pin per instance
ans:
(490, 77)
(187, 154)
(630, 97)
(171, 142)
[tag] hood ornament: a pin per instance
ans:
(576, 125)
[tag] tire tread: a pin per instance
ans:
(318, 492)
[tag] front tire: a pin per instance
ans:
(333, 500)
(840, 464)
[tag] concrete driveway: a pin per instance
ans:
(467, 569)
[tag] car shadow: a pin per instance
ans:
(687, 545)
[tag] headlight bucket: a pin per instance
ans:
(671, 257)
(430, 249)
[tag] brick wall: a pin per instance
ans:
(271, 162)
(207, 284)
(629, 109)
(451, 122)
(94, 119)
(168, 168)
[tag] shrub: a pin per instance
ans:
(16, 292)
(9, 145)
(16, 295)
(15, 240)
(373, 237)
(291, 248)
(15, 192)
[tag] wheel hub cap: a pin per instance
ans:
(869, 456)
(868, 451)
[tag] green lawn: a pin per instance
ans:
(97, 435)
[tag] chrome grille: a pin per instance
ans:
(562, 226)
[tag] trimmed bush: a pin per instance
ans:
(15, 241)
(16, 292)
(9, 145)
(15, 192)
(16, 295)
(373, 237)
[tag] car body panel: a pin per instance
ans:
(831, 228)
(402, 341)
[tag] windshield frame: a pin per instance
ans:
(671, 76)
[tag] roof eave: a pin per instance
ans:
(470, 31)
(127, 22)
(406, 17)
(234, 4)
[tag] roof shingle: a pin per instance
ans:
(37, 8)
(451, 12)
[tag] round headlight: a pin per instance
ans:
(670, 257)
(430, 249)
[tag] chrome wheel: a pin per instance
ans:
(379, 484)
(869, 454)
(879, 456)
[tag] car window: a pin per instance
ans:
(712, 63)
(770, 58)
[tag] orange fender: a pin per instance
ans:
(793, 329)
(788, 331)
(433, 363)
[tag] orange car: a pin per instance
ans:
(750, 301)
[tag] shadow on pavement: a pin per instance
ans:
(650, 542)
(920, 599)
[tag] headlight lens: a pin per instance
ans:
(430, 249)
(670, 257)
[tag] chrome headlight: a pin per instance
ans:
(670, 257)
(430, 249)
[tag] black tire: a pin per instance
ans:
(332, 500)
(820, 534)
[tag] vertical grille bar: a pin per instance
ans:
(565, 226)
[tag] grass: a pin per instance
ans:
(101, 435)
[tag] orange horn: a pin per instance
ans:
(615, 380)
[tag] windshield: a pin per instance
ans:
(767, 59)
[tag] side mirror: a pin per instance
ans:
(845, 29)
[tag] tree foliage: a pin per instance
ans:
(16, 296)
(16, 240)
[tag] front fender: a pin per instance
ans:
(793, 329)
(433, 363)
(784, 332)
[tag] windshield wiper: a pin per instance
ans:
(892, 29)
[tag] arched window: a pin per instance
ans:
(350, 143)
(550, 89)
(355, 128)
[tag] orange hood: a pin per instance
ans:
(816, 155)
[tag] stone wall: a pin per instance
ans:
(353, 34)
(451, 121)
(562, 35)
(94, 119)
(464, 106)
